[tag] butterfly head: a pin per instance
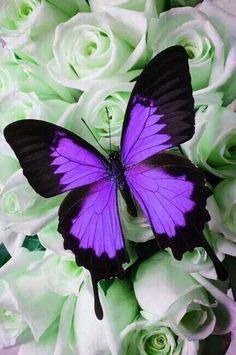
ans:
(114, 156)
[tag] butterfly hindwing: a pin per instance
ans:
(54, 160)
(160, 112)
(172, 194)
(90, 225)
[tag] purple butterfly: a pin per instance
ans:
(169, 189)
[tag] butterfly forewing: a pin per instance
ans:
(160, 112)
(54, 160)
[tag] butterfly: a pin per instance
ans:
(168, 188)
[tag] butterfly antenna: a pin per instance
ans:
(109, 125)
(94, 136)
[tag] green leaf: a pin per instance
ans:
(105, 284)
(32, 243)
(4, 255)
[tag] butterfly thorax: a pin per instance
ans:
(116, 169)
(117, 174)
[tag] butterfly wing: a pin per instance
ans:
(54, 160)
(90, 225)
(172, 194)
(160, 112)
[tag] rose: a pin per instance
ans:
(197, 261)
(25, 25)
(91, 47)
(213, 144)
(34, 301)
(222, 208)
(145, 6)
(22, 211)
(13, 328)
(192, 306)
(8, 79)
(221, 245)
(19, 105)
(58, 310)
(52, 240)
(154, 338)
(19, 75)
(208, 35)
(93, 336)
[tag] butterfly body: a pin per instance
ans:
(168, 188)
(117, 174)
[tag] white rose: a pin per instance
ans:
(25, 24)
(92, 47)
(154, 338)
(192, 305)
(208, 35)
(20, 75)
(13, 327)
(213, 144)
(22, 211)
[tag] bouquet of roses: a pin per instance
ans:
(61, 61)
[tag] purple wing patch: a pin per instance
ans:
(75, 165)
(144, 136)
(54, 160)
(160, 112)
(90, 225)
(172, 194)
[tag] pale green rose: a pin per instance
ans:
(222, 208)
(23, 211)
(20, 75)
(25, 24)
(154, 338)
(197, 261)
(60, 308)
(9, 78)
(92, 47)
(192, 305)
(148, 7)
(10, 164)
(208, 35)
(68, 278)
(213, 144)
(222, 245)
(103, 337)
(13, 327)
(51, 239)
(39, 306)
(19, 105)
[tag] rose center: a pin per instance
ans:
(90, 49)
